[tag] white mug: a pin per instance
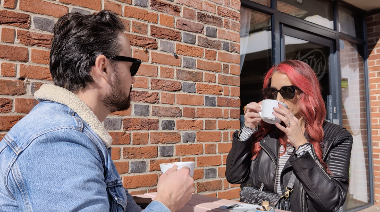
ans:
(191, 164)
(266, 113)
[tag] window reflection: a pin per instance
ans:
(350, 23)
(262, 2)
(355, 120)
(316, 11)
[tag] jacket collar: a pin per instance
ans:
(270, 144)
(63, 96)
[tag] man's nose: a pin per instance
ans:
(133, 79)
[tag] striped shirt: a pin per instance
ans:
(247, 132)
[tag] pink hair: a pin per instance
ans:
(311, 104)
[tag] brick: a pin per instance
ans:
(40, 56)
(137, 166)
(210, 101)
(228, 80)
(136, 181)
(209, 19)
(227, 124)
(209, 65)
(24, 105)
(193, 76)
(221, 172)
(12, 87)
(226, 114)
(226, 23)
(208, 43)
(35, 72)
(140, 54)
(197, 4)
(210, 77)
(188, 149)
(228, 102)
(81, 11)
(144, 96)
(139, 27)
(167, 20)
(140, 41)
(235, 4)
(8, 35)
(235, 26)
(148, 70)
(210, 173)
(235, 48)
(167, 124)
(120, 138)
(235, 69)
(165, 33)
(141, 110)
(209, 7)
(44, 24)
(188, 137)
(35, 86)
(188, 112)
(115, 7)
(126, 23)
(165, 137)
(43, 7)
(228, 58)
(122, 166)
(226, 46)
(211, 32)
(188, 62)
(6, 105)
(209, 113)
(187, 50)
(189, 26)
(140, 138)
(188, 87)
(7, 122)
(188, 13)
(229, 194)
(188, 99)
(167, 46)
(165, 7)
(209, 136)
(141, 14)
(235, 113)
(34, 39)
(165, 85)
(166, 111)
(14, 19)
(11, 4)
(228, 35)
(141, 3)
(165, 59)
(210, 148)
(115, 153)
(205, 161)
(188, 38)
(210, 124)
(8, 69)
(209, 89)
(140, 124)
(228, 13)
(210, 54)
(14, 53)
(209, 186)
(140, 152)
(167, 98)
(155, 164)
(166, 151)
(217, 1)
(141, 82)
(92, 4)
(189, 124)
(166, 72)
(224, 147)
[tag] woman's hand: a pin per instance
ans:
(251, 115)
(293, 128)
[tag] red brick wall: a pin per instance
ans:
(373, 35)
(185, 108)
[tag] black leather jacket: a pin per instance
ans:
(314, 189)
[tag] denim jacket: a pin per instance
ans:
(57, 158)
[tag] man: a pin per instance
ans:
(57, 158)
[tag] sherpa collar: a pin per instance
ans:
(60, 95)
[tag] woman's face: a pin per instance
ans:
(278, 81)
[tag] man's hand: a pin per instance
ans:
(174, 188)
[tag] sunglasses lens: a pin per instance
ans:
(287, 92)
(270, 93)
(134, 68)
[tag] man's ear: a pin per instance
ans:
(101, 69)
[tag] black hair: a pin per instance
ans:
(78, 39)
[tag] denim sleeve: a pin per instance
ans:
(156, 206)
(60, 171)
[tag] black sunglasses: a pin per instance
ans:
(135, 63)
(287, 92)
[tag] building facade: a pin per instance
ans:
(202, 62)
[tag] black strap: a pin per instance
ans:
(291, 181)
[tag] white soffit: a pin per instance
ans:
(366, 5)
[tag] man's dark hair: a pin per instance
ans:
(78, 40)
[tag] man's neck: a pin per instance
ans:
(94, 102)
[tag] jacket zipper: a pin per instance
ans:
(275, 172)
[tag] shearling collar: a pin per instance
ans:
(60, 95)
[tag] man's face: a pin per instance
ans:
(119, 96)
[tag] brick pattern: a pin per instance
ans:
(186, 96)
(373, 36)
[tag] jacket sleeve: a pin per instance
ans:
(238, 160)
(326, 189)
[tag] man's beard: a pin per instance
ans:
(117, 100)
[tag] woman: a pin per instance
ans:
(303, 145)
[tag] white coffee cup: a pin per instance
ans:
(266, 113)
(191, 164)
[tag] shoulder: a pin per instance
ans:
(335, 133)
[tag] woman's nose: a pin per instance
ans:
(279, 97)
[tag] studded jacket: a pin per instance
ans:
(315, 189)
